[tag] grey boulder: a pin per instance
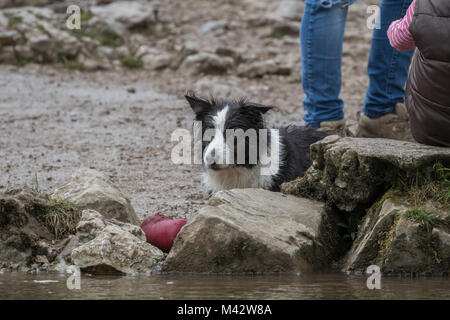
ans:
(255, 231)
(90, 189)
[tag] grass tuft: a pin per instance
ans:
(106, 37)
(86, 16)
(350, 226)
(132, 63)
(277, 34)
(422, 216)
(436, 189)
(14, 21)
(61, 218)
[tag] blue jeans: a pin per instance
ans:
(321, 38)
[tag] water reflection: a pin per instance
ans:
(317, 286)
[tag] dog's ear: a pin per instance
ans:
(259, 107)
(197, 104)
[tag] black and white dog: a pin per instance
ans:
(266, 161)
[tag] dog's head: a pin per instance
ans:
(230, 131)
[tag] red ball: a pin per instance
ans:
(153, 219)
(161, 231)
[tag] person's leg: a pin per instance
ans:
(387, 68)
(321, 37)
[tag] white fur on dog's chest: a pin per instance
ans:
(235, 178)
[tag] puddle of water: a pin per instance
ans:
(317, 286)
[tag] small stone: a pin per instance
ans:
(260, 69)
(41, 260)
(208, 63)
(213, 28)
(287, 9)
(129, 13)
(7, 54)
(210, 87)
(9, 37)
(156, 61)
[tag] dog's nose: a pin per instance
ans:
(211, 161)
(214, 166)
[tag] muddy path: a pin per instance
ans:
(54, 120)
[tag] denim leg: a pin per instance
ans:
(388, 67)
(321, 37)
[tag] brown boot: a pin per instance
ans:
(332, 127)
(390, 126)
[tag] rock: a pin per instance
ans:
(189, 48)
(3, 21)
(7, 54)
(144, 50)
(21, 3)
(25, 230)
(128, 13)
(64, 256)
(230, 52)
(156, 61)
(92, 222)
(93, 65)
(351, 128)
(24, 52)
(399, 245)
(208, 87)
(152, 58)
(286, 9)
(283, 28)
(110, 246)
(107, 52)
(254, 230)
(9, 37)
(42, 260)
(122, 52)
(260, 69)
(350, 173)
(208, 63)
(213, 28)
(90, 189)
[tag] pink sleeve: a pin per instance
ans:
(398, 32)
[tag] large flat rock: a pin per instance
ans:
(352, 172)
(255, 231)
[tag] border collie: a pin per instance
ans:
(266, 161)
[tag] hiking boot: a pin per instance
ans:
(332, 126)
(390, 126)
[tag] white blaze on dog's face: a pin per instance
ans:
(217, 151)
